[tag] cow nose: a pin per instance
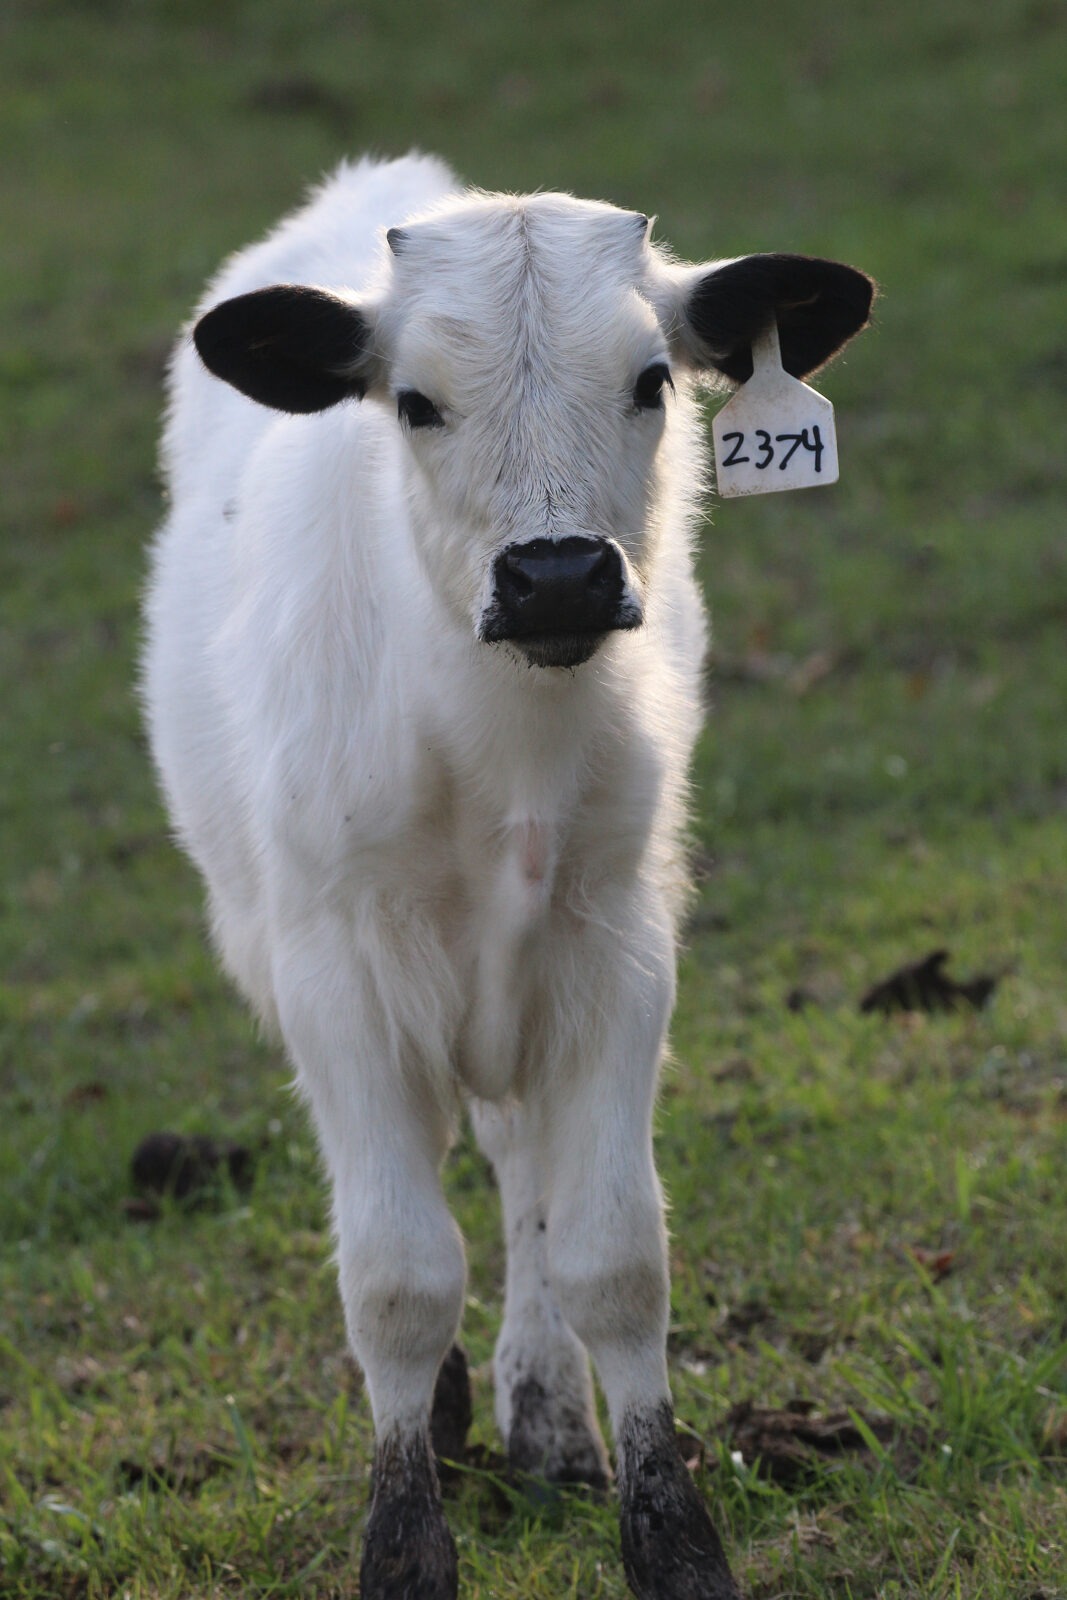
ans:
(547, 586)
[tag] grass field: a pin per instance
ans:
(869, 1213)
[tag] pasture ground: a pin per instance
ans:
(869, 1213)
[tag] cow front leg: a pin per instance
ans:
(670, 1549)
(408, 1551)
(544, 1392)
(402, 1280)
(607, 1254)
(384, 1131)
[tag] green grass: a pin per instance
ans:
(885, 773)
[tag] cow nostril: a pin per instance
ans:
(516, 566)
(604, 568)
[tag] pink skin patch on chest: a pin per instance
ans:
(533, 852)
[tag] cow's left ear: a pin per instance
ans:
(290, 347)
(819, 305)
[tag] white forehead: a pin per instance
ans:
(523, 281)
(554, 224)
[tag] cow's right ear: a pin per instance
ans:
(291, 347)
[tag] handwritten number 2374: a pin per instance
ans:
(808, 439)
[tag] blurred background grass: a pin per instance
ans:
(886, 771)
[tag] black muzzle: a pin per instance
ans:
(557, 598)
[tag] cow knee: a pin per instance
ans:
(617, 1303)
(402, 1307)
(621, 1302)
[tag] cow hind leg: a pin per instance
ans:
(544, 1392)
(450, 1418)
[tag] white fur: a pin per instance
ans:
(440, 872)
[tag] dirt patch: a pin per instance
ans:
(926, 986)
(791, 1445)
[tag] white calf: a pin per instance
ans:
(423, 682)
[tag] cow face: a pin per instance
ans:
(531, 350)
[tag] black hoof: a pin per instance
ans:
(550, 1442)
(669, 1548)
(408, 1552)
(450, 1419)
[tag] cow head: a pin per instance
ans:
(534, 353)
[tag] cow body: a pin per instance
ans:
(423, 683)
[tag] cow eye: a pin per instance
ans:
(416, 411)
(648, 390)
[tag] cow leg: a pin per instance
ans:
(607, 1254)
(400, 1257)
(544, 1391)
(450, 1418)
(670, 1549)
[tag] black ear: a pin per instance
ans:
(819, 306)
(290, 347)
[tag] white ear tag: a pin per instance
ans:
(774, 433)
